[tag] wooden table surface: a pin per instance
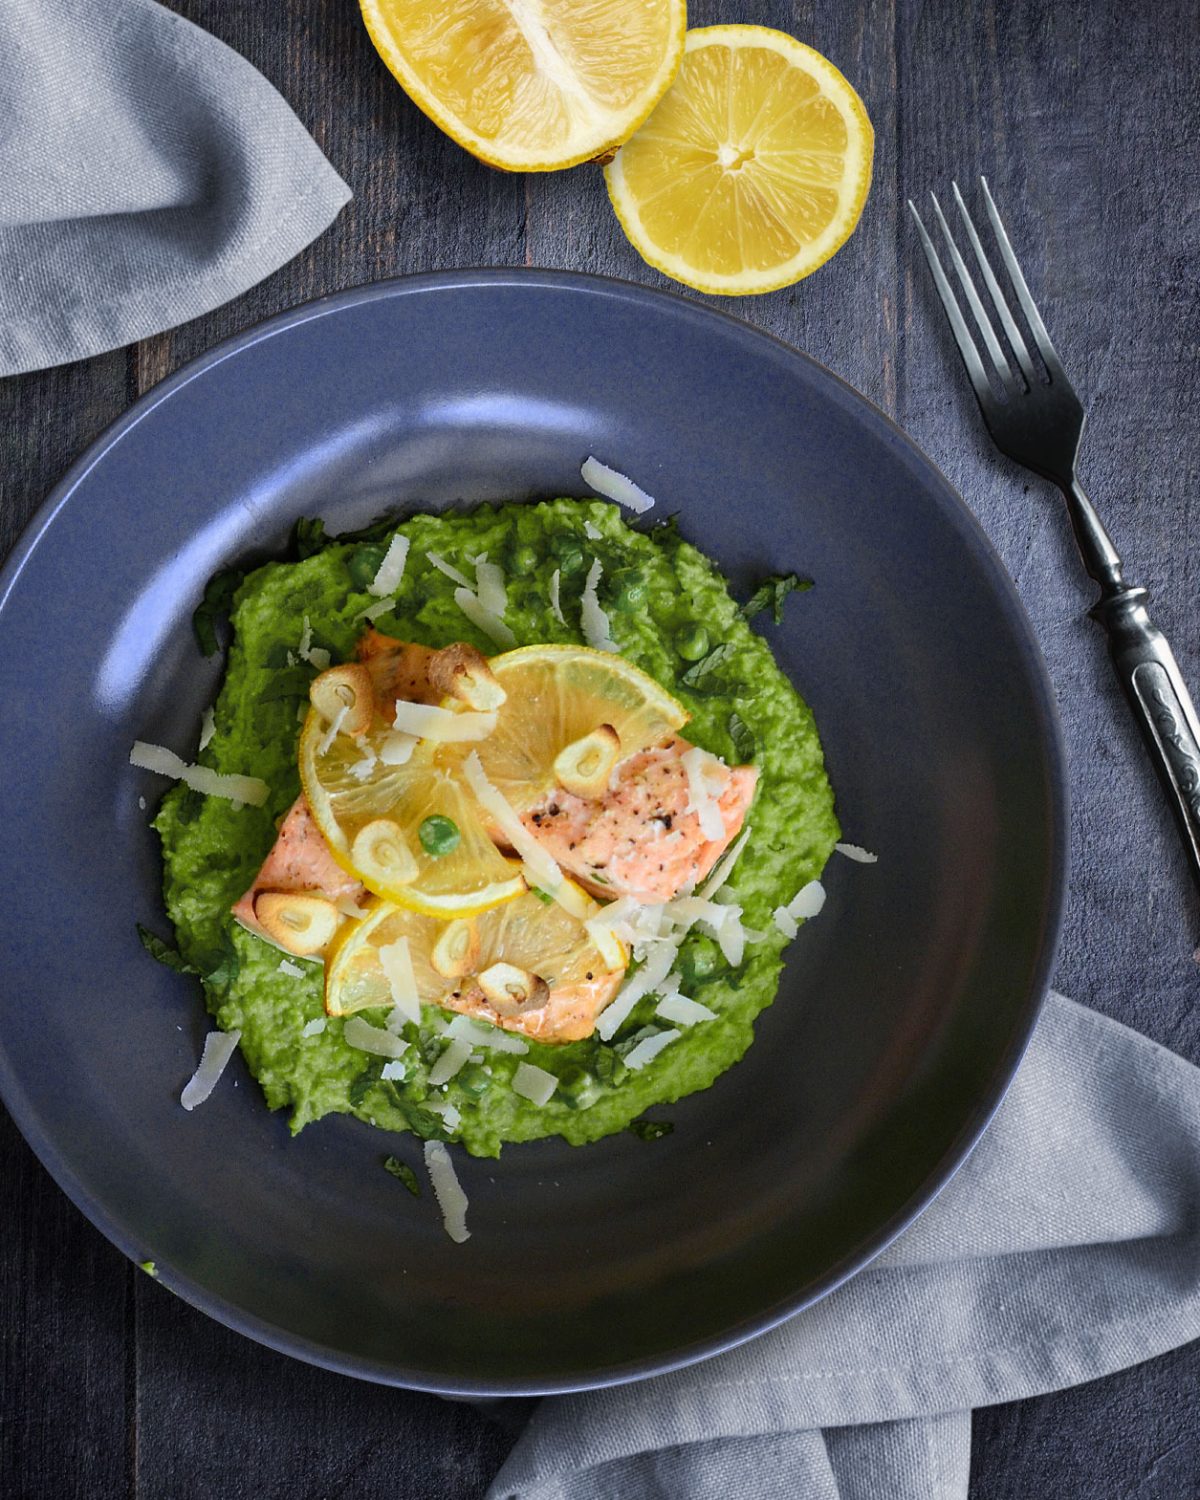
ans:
(1083, 114)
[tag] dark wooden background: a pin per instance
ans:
(1083, 114)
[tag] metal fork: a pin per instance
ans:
(1036, 418)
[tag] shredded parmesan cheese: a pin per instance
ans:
(699, 765)
(391, 569)
(397, 749)
(646, 981)
(286, 966)
(682, 1011)
(314, 1027)
(592, 531)
(367, 1038)
(448, 1191)
(247, 790)
(540, 868)
(443, 566)
(454, 1058)
(441, 725)
(395, 1069)
(208, 727)
(489, 586)
(614, 486)
(374, 611)
(349, 907)
(481, 1035)
(857, 853)
(649, 1048)
(219, 1047)
(592, 617)
(333, 730)
(533, 1083)
(396, 962)
(555, 603)
(808, 900)
(724, 867)
(483, 619)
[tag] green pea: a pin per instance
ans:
(578, 1088)
(700, 960)
(525, 560)
(439, 835)
(473, 1080)
(692, 642)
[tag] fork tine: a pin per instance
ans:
(962, 334)
(1012, 332)
(1040, 337)
(981, 318)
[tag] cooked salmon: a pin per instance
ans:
(568, 1015)
(640, 837)
(299, 860)
(399, 669)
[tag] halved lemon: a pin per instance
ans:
(532, 85)
(754, 168)
(558, 698)
(527, 934)
(393, 826)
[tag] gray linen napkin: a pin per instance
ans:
(1067, 1246)
(147, 174)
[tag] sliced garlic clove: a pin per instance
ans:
(456, 952)
(584, 766)
(297, 920)
(462, 672)
(380, 852)
(343, 695)
(512, 990)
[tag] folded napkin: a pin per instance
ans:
(147, 174)
(1066, 1247)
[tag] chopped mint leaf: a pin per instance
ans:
(771, 593)
(308, 537)
(215, 605)
(696, 677)
(743, 739)
(403, 1173)
(363, 1084)
(650, 1130)
(164, 953)
(543, 896)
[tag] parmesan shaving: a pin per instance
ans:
(361, 769)
(391, 569)
(808, 900)
(649, 1048)
(534, 1083)
(451, 1117)
(592, 531)
(286, 966)
(367, 1038)
(451, 1061)
(483, 619)
(786, 923)
(349, 907)
(684, 1012)
(316, 656)
(857, 853)
(333, 730)
(555, 603)
(442, 725)
(443, 566)
(219, 1047)
(479, 1034)
(615, 486)
(247, 790)
(208, 727)
(395, 1069)
(699, 767)
(374, 611)
(592, 617)
(646, 981)
(397, 749)
(448, 1191)
(540, 867)
(489, 586)
(314, 1027)
(396, 963)
(724, 868)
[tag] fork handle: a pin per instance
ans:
(1160, 701)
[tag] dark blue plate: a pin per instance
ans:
(903, 1010)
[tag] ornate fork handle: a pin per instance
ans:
(1160, 701)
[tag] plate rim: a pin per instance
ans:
(1047, 718)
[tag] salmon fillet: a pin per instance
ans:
(399, 669)
(299, 860)
(568, 1015)
(639, 839)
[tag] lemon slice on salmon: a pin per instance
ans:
(468, 966)
(754, 168)
(569, 715)
(531, 85)
(410, 831)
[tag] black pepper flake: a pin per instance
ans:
(667, 822)
(553, 809)
(589, 973)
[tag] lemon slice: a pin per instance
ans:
(526, 934)
(393, 826)
(752, 171)
(558, 697)
(532, 85)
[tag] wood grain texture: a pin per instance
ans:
(1082, 113)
